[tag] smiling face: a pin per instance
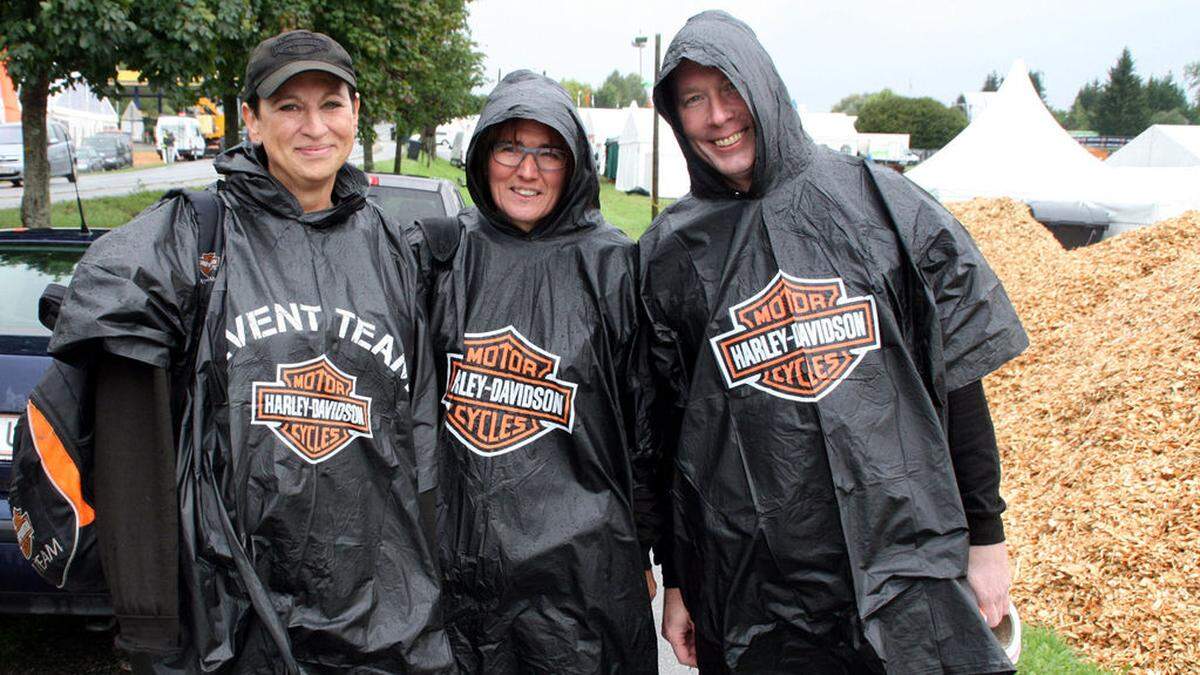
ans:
(525, 193)
(307, 128)
(716, 121)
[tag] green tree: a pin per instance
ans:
(206, 41)
(1082, 114)
(1191, 74)
(850, 104)
(993, 81)
(442, 70)
(1122, 109)
(1039, 85)
(580, 92)
(1166, 96)
(49, 45)
(1176, 116)
(618, 90)
(929, 124)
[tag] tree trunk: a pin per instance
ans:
(233, 116)
(401, 141)
(35, 199)
(429, 142)
(368, 153)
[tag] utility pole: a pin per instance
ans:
(654, 147)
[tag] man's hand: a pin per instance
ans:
(651, 586)
(988, 574)
(677, 628)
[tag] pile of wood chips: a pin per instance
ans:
(1099, 430)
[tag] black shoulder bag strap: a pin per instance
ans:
(210, 244)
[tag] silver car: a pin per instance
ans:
(59, 149)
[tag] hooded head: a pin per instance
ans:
(716, 40)
(521, 98)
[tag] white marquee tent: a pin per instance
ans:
(634, 160)
(1161, 145)
(1015, 148)
(602, 124)
(833, 130)
(84, 113)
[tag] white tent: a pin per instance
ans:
(833, 130)
(82, 111)
(1161, 145)
(602, 124)
(1015, 148)
(635, 158)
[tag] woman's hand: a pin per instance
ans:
(989, 576)
(677, 628)
(651, 585)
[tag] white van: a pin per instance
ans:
(189, 140)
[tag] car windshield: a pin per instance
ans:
(10, 135)
(407, 204)
(24, 273)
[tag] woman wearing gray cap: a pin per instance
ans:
(284, 460)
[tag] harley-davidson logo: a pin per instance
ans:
(502, 393)
(209, 262)
(312, 407)
(24, 530)
(797, 338)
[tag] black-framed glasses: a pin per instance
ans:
(512, 154)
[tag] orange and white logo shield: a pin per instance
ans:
(24, 530)
(797, 338)
(503, 393)
(313, 408)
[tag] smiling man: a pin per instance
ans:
(818, 331)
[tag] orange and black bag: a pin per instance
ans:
(51, 488)
(50, 494)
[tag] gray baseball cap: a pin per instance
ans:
(276, 59)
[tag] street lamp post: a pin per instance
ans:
(640, 43)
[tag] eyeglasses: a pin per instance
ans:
(512, 154)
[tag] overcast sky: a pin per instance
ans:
(827, 50)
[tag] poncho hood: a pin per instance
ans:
(717, 40)
(526, 95)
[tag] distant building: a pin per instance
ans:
(10, 106)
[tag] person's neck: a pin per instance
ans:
(311, 196)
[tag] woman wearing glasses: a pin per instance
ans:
(532, 314)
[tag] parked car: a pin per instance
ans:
(59, 149)
(87, 159)
(410, 198)
(30, 259)
(114, 148)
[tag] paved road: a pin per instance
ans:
(179, 174)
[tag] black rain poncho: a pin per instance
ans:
(533, 333)
(296, 429)
(805, 335)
